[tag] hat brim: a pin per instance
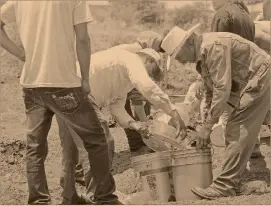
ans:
(188, 34)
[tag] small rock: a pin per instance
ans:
(2, 150)
(2, 82)
(11, 160)
(257, 187)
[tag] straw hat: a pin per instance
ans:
(175, 39)
(152, 53)
(147, 39)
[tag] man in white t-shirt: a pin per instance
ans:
(48, 31)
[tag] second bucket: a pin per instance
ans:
(191, 168)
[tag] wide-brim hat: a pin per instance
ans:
(175, 39)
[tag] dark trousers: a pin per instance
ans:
(73, 107)
(134, 138)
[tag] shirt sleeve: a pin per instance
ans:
(8, 13)
(117, 110)
(81, 13)
(220, 24)
(218, 63)
(144, 84)
(207, 101)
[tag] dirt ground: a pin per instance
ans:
(13, 186)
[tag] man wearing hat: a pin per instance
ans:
(146, 39)
(236, 72)
(113, 74)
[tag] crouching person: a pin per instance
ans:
(236, 72)
(113, 74)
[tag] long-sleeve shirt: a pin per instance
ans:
(114, 73)
(234, 18)
(227, 63)
(262, 35)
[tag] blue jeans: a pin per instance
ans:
(73, 107)
(74, 152)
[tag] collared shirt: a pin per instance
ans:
(114, 73)
(227, 62)
(46, 30)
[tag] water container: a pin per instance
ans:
(156, 175)
(191, 168)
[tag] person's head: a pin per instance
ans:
(182, 45)
(267, 10)
(150, 39)
(152, 61)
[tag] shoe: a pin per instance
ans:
(116, 202)
(208, 193)
(88, 201)
(81, 181)
(256, 152)
(141, 151)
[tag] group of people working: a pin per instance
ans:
(70, 83)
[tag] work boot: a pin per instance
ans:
(256, 152)
(79, 175)
(88, 201)
(208, 193)
(141, 151)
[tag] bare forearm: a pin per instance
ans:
(140, 112)
(83, 50)
(10, 46)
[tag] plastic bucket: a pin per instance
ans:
(155, 172)
(191, 168)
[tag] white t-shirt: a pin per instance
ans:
(46, 29)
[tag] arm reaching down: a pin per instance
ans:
(83, 53)
(10, 46)
(151, 91)
(219, 66)
(81, 17)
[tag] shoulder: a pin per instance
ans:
(223, 12)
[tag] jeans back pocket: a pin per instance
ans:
(65, 100)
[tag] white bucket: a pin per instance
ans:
(191, 168)
(156, 175)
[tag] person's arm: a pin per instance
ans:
(117, 110)
(137, 101)
(81, 17)
(207, 101)
(218, 63)
(8, 17)
(83, 49)
(9, 45)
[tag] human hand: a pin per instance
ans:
(140, 127)
(202, 137)
(177, 122)
(86, 86)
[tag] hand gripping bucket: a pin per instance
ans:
(156, 176)
(191, 168)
